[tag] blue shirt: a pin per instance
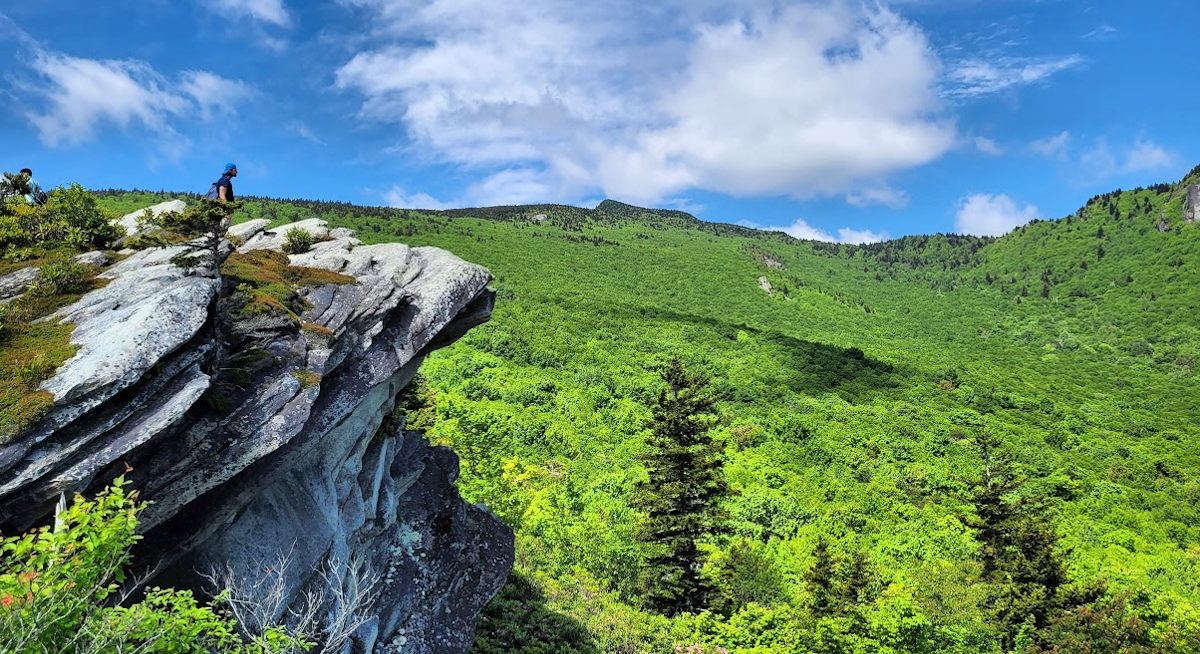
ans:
(227, 183)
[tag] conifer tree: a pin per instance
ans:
(821, 581)
(681, 501)
(1018, 546)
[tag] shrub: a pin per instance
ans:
(298, 241)
(204, 220)
(56, 583)
(71, 216)
(79, 219)
(59, 278)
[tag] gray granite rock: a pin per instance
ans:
(298, 456)
(273, 239)
(129, 222)
(1191, 204)
(16, 282)
(245, 231)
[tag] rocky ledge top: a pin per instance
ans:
(263, 435)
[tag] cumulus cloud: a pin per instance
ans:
(1100, 161)
(70, 98)
(644, 101)
(861, 236)
(977, 77)
(272, 12)
(801, 229)
(213, 94)
(982, 214)
(397, 197)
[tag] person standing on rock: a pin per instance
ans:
(222, 189)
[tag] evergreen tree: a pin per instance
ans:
(1018, 546)
(821, 580)
(681, 501)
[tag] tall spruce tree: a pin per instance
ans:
(681, 501)
(1018, 546)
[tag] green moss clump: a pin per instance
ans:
(29, 354)
(307, 378)
(261, 267)
(267, 283)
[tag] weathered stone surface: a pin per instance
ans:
(273, 239)
(93, 258)
(16, 282)
(765, 285)
(1191, 204)
(129, 222)
(305, 462)
(248, 229)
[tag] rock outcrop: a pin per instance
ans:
(272, 446)
(1191, 204)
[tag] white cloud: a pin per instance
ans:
(878, 195)
(802, 230)
(397, 197)
(213, 94)
(266, 11)
(988, 146)
(642, 102)
(861, 236)
(982, 214)
(70, 98)
(1055, 147)
(977, 77)
(1145, 155)
(1101, 162)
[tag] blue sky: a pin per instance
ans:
(835, 120)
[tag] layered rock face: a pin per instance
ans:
(1191, 204)
(271, 453)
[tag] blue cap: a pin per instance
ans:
(230, 166)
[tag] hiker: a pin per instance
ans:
(222, 189)
(35, 196)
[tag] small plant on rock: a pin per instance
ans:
(58, 279)
(299, 240)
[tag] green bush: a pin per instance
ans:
(59, 278)
(298, 241)
(56, 584)
(80, 220)
(71, 216)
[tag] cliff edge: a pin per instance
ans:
(261, 425)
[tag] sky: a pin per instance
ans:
(835, 120)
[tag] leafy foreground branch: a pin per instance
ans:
(58, 593)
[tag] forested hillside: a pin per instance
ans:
(933, 444)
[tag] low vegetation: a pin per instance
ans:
(297, 241)
(267, 284)
(57, 583)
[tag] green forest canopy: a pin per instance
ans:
(852, 395)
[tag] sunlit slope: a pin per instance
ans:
(851, 391)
